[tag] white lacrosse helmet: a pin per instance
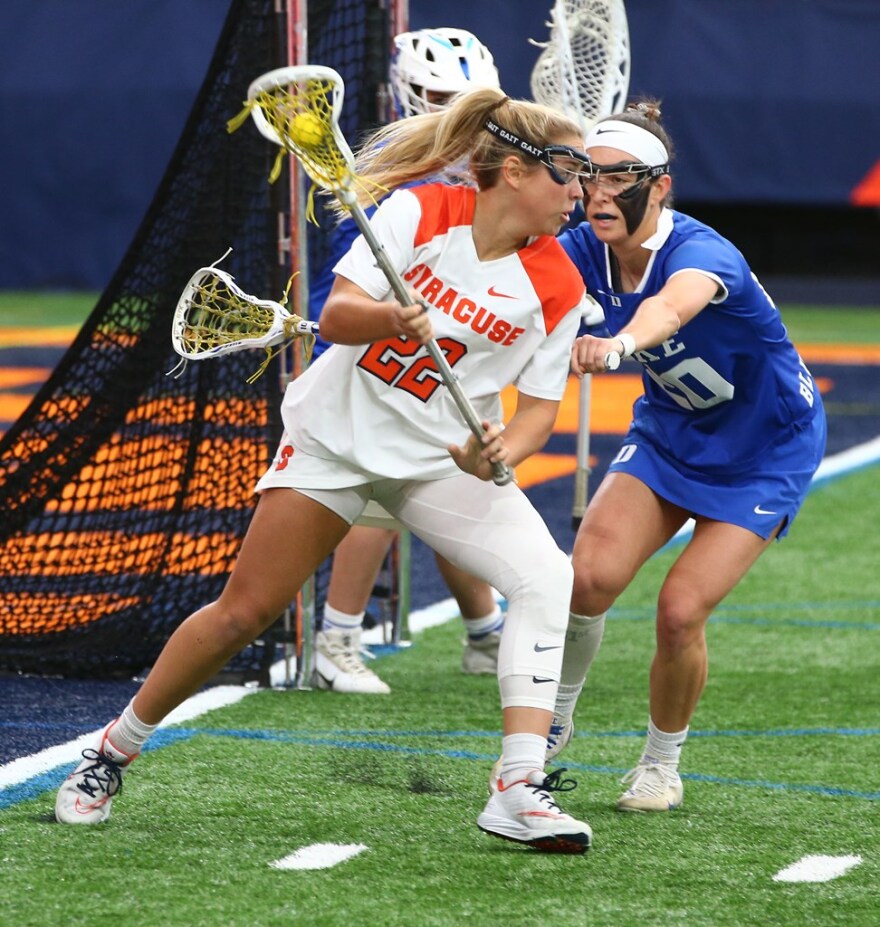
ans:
(437, 61)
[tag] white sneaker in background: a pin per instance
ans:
(480, 657)
(339, 664)
(652, 787)
(559, 737)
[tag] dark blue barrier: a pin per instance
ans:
(771, 102)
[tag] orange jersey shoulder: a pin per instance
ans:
(443, 207)
(556, 280)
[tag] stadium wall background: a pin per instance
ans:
(774, 106)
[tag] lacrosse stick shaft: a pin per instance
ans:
(582, 453)
(502, 474)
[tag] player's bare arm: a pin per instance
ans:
(657, 318)
(352, 316)
(526, 433)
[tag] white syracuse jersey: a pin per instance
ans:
(382, 408)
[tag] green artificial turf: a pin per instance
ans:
(780, 764)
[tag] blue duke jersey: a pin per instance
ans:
(729, 386)
(322, 282)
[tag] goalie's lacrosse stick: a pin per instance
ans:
(584, 71)
(584, 67)
(215, 316)
(298, 108)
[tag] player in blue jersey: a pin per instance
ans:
(428, 67)
(729, 431)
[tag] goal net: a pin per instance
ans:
(125, 491)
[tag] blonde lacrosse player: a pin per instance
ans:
(428, 67)
(373, 421)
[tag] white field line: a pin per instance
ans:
(24, 768)
(817, 869)
(319, 856)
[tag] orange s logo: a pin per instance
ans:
(284, 456)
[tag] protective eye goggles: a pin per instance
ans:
(623, 179)
(565, 164)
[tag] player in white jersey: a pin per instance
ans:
(428, 67)
(729, 431)
(371, 420)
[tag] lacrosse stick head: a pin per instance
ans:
(299, 108)
(584, 67)
(215, 316)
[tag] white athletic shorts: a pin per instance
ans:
(493, 532)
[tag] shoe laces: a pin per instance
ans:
(350, 657)
(557, 729)
(104, 776)
(552, 782)
(650, 778)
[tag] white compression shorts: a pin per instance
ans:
(494, 533)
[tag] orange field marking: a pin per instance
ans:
(27, 613)
(52, 336)
(611, 399)
(16, 377)
(840, 353)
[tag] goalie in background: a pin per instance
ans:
(372, 421)
(428, 67)
(729, 431)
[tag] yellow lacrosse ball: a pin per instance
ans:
(306, 130)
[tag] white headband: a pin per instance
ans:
(643, 145)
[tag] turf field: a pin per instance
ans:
(807, 324)
(781, 765)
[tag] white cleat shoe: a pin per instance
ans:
(339, 664)
(480, 657)
(652, 787)
(525, 812)
(87, 793)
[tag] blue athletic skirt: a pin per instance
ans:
(757, 501)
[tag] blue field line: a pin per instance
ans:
(372, 745)
(44, 782)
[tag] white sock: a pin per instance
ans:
(662, 747)
(478, 628)
(582, 640)
(335, 620)
(520, 755)
(128, 733)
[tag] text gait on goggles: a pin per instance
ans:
(564, 163)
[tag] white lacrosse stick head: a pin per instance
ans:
(298, 108)
(584, 67)
(215, 316)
